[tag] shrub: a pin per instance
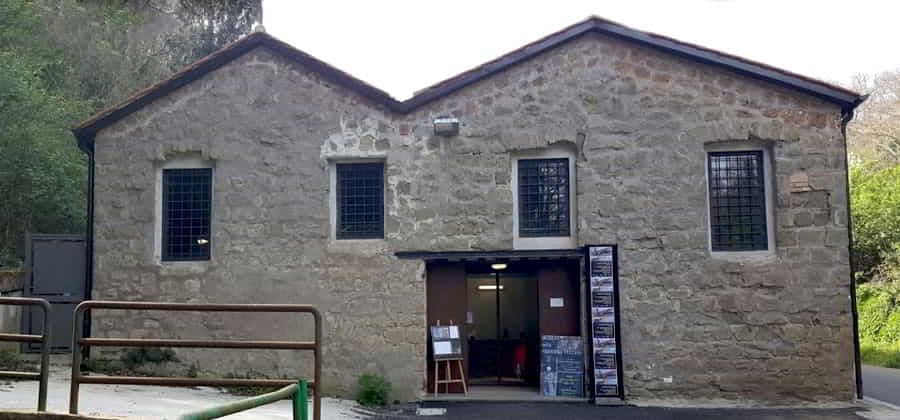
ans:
(9, 360)
(879, 312)
(372, 390)
(140, 356)
(880, 354)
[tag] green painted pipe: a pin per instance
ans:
(297, 391)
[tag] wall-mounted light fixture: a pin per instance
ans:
(498, 266)
(202, 241)
(489, 287)
(446, 126)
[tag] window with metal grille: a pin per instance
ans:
(543, 197)
(187, 199)
(737, 201)
(360, 200)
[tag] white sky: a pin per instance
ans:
(404, 45)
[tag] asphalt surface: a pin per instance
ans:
(882, 384)
(578, 411)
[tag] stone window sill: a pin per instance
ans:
(183, 267)
(743, 256)
(365, 247)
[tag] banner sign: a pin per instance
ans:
(602, 267)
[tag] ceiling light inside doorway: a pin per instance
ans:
(489, 287)
(498, 266)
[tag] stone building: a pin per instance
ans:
(261, 174)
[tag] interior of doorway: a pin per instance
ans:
(503, 327)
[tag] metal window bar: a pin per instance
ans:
(43, 338)
(543, 197)
(360, 200)
(737, 201)
(187, 202)
(78, 341)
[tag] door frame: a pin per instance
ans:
(28, 284)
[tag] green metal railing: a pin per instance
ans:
(297, 392)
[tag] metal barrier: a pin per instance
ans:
(44, 339)
(78, 341)
(297, 392)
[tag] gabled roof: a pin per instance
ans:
(846, 99)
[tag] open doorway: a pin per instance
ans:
(503, 336)
(504, 316)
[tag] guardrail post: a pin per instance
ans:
(44, 339)
(45, 357)
(301, 402)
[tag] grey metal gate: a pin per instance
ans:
(55, 267)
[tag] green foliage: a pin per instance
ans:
(879, 312)
(372, 390)
(42, 173)
(143, 361)
(879, 323)
(880, 354)
(61, 61)
(140, 356)
(875, 202)
(10, 360)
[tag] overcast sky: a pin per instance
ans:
(405, 45)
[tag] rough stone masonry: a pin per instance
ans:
(772, 327)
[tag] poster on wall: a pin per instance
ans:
(445, 343)
(602, 268)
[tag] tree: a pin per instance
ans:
(874, 133)
(875, 202)
(63, 60)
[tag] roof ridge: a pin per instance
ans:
(86, 129)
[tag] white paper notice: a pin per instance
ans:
(557, 302)
(454, 332)
(442, 347)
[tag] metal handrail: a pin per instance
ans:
(43, 338)
(297, 392)
(78, 341)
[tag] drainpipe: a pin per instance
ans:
(846, 116)
(86, 144)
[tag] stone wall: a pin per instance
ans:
(772, 327)
(11, 283)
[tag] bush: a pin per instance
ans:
(372, 390)
(879, 312)
(880, 354)
(134, 358)
(9, 360)
(879, 323)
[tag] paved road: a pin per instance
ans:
(579, 411)
(882, 383)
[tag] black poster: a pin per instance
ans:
(562, 366)
(601, 299)
(607, 355)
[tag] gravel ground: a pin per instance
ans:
(151, 402)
